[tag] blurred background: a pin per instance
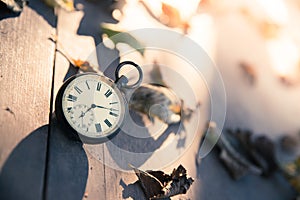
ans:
(254, 45)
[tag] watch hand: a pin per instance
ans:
(111, 109)
(83, 113)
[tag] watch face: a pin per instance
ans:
(93, 106)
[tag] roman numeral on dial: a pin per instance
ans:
(78, 90)
(113, 114)
(98, 127)
(107, 123)
(71, 98)
(98, 86)
(87, 85)
(108, 93)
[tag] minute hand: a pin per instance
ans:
(111, 109)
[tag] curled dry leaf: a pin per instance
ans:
(159, 100)
(237, 164)
(123, 37)
(170, 17)
(156, 101)
(247, 153)
(84, 66)
(15, 5)
(158, 185)
(242, 152)
(258, 148)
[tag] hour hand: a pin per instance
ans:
(83, 113)
(111, 109)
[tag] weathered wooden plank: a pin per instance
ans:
(26, 69)
(22, 175)
(72, 172)
(122, 185)
(67, 167)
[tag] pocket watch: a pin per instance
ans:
(92, 106)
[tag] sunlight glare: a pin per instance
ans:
(275, 9)
(284, 56)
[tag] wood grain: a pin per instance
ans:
(76, 172)
(101, 182)
(26, 70)
(26, 66)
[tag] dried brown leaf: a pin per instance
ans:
(83, 65)
(171, 18)
(150, 184)
(172, 15)
(233, 157)
(157, 184)
(155, 101)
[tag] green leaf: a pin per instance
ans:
(124, 37)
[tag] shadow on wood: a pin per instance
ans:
(95, 13)
(132, 190)
(42, 9)
(67, 166)
(22, 176)
(71, 72)
(5, 12)
(127, 149)
(142, 145)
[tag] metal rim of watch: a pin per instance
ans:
(85, 138)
